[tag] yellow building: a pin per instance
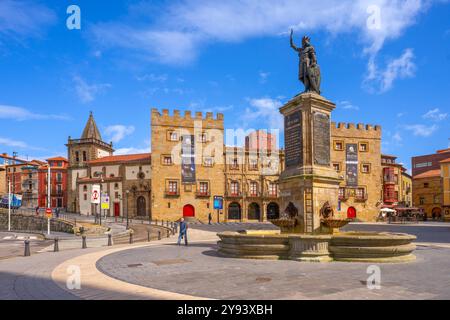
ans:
(445, 172)
(427, 196)
(355, 155)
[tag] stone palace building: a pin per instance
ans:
(190, 164)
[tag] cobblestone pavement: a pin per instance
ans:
(169, 271)
(198, 271)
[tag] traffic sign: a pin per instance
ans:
(218, 203)
(49, 212)
(105, 201)
(95, 194)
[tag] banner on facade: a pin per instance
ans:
(95, 194)
(188, 159)
(352, 165)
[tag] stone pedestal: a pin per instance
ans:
(309, 180)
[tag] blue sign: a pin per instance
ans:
(218, 203)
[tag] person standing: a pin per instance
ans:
(209, 218)
(183, 232)
(37, 210)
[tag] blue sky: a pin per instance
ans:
(383, 62)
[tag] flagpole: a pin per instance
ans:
(9, 206)
(48, 197)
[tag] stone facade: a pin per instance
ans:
(361, 198)
(80, 151)
(431, 184)
(247, 179)
(397, 184)
(126, 179)
(427, 193)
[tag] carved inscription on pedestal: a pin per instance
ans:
(321, 139)
(293, 139)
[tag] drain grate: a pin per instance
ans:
(263, 280)
(136, 265)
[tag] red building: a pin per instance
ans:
(261, 140)
(58, 183)
(422, 164)
(30, 180)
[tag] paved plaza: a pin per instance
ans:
(163, 270)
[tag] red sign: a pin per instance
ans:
(49, 213)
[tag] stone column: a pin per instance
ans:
(308, 180)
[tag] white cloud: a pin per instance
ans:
(435, 115)
(153, 77)
(19, 19)
(13, 143)
(88, 92)
(183, 27)
(21, 114)
(118, 132)
(124, 151)
(347, 105)
(400, 68)
(420, 130)
(263, 76)
(265, 110)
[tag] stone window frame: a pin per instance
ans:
(253, 192)
(171, 138)
(203, 137)
(163, 160)
(362, 143)
(253, 166)
(238, 184)
(199, 189)
(339, 164)
(169, 186)
(426, 185)
(208, 165)
(422, 200)
(335, 144)
(369, 168)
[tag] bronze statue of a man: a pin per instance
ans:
(309, 70)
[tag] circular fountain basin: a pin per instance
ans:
(348, 247)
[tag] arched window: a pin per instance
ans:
(84, 156)
(254, 212)
(77, 156)
(234, 211)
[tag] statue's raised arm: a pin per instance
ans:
(293, 46)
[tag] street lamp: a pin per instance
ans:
(127, 193)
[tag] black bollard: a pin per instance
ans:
(56, 246)
(27, 252)
(84, 245)
(168, 233)
(131, 238)
(159, 235)
(148, 236)
(109, 240)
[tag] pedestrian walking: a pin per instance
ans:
(57, 213)
(37, 210)
(209, 218)
(183, 232)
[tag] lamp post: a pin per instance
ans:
(9, 205)
(127, 193)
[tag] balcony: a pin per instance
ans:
(234, 194)
(361, 198)
(271, 195)
(256, 194)
(233, 167)
(203, 194)
(172, 193)
(389, 180)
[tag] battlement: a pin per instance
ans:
(352, 126)
(187, 115)
(356, 130)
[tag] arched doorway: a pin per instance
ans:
(141, 206)
(273, 211)
(254, 212)
(351, 213)
(436, 213)
(188, 211)
(234, 211)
